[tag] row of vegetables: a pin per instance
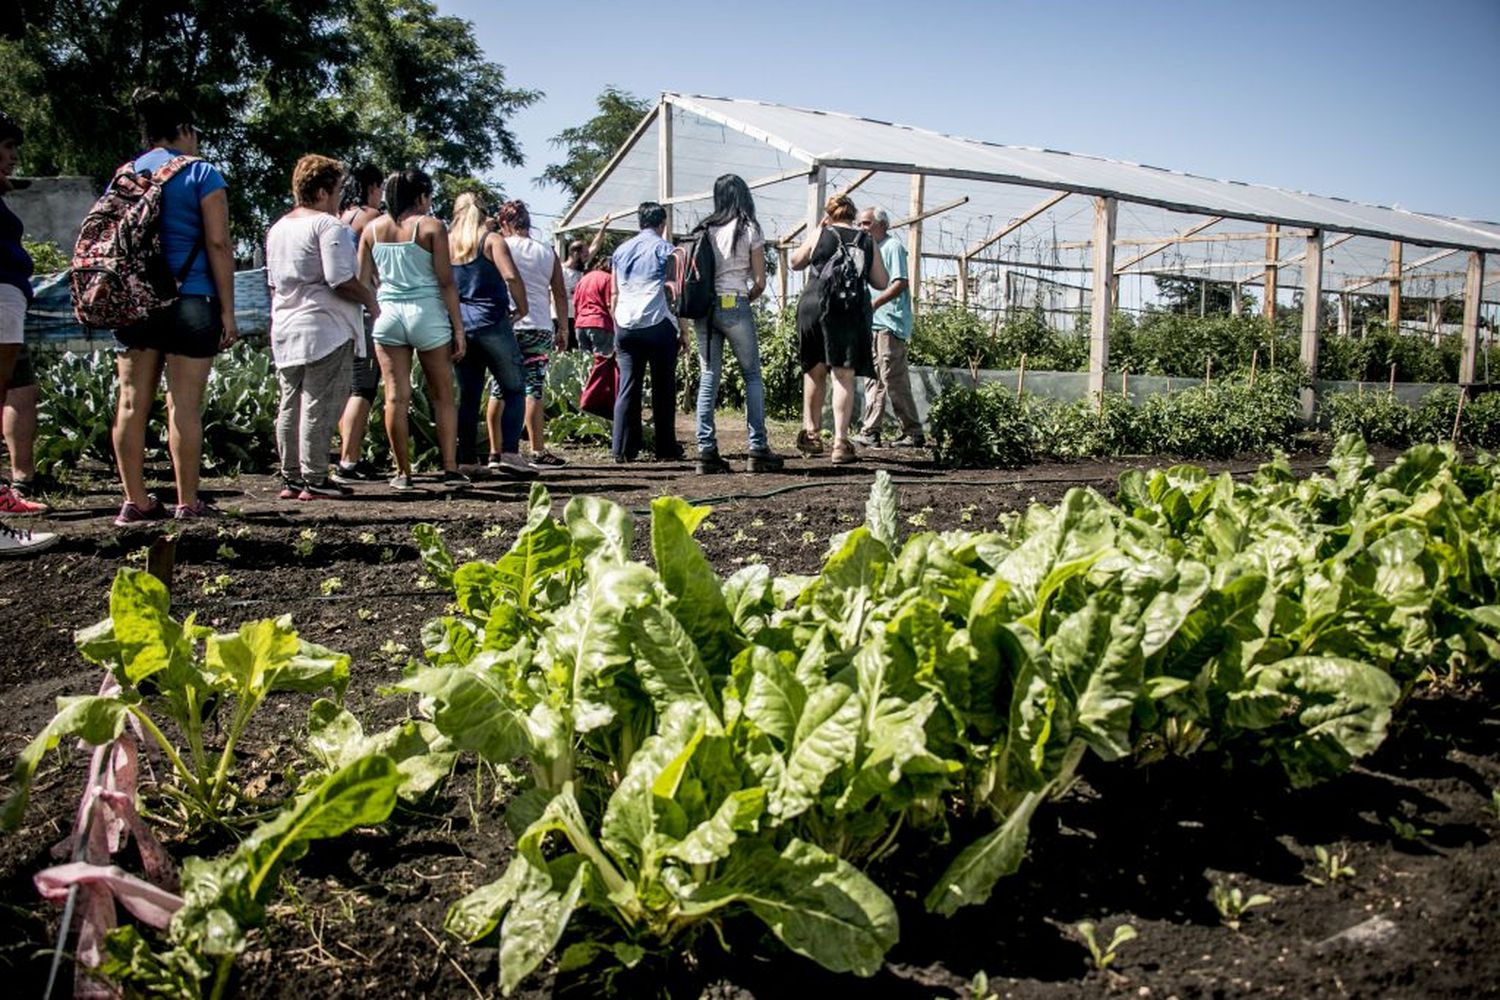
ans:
(703, 750)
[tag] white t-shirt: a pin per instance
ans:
(534, 260)
(307, 256)
(732, 263)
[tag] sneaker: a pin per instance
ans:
(20, 543)
(844, 453)
(402, 484)
(676, 453)
(455, 480)
(131, 514)
(545, 457)
(290, 488)
(326, 490)
(495, 463)
(346, 474)
(12, 502)
(867, 440)
(512, 466)
(764, 461)
(28, 488)
(809, 444)
(192, 511)
(711, 464)
(909, 441)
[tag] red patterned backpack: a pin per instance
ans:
(120, 274)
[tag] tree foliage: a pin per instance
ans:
(392, 81)
(588, 147)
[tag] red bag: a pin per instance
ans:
(601, 387)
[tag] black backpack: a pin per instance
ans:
(695, 289)
(843, 277)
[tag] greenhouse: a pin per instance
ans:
(995, 228)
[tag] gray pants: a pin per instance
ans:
(893, 380)
(312, 399)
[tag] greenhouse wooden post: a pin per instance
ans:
(1102, 294)
(914, 239)
(1468, 363)
(1273, 254)
(1393, 303)
(782, 267)
(963, 281)
(817, 193)
(664, 163)
(1312, 314)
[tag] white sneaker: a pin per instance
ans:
(20, 543)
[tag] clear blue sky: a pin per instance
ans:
(1378, 101)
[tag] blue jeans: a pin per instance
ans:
(655, 346)
(490, 349)
(738, 327)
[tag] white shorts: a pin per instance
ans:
(12, 315)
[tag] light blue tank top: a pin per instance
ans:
(406, 273)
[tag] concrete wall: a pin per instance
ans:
(53, 208)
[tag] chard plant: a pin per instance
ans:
(1233, 904)
(186, 675)
(1104, 955)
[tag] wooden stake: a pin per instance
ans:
(1021, 378)
(914, 241)
(1312, 314)
(1208, 372)
(1273, 251)
(1391, 388)
(1103, 281)
(161, 558)
(1463, 393)
(1254, 363)
(1393, 300)
(1468, 363)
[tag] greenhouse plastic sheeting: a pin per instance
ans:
(50, 322)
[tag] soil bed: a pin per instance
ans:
(1139, 846)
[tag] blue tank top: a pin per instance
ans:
(483, 299)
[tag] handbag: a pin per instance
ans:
(601, 387)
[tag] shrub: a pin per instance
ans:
(1377, 417)
(980, 428)
(1481, 425)
(1434, 415)
(1228, 418)
(1081, 429)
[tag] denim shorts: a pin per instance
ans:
(191, 327)
(421, 324)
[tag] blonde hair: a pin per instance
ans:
(840, 208)
(466, 231)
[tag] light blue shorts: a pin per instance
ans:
(421, 324)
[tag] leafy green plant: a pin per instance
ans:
(46, 256)
(1378, 417)
(161, 675)
(1104, 956)
(1332, 865)
(1233, 904)
(983, 427)
(1406, 830)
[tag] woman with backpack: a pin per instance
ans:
(359, 205)
(834, 319)
(408, 249)
(490, 298)
(739, 279)
(181, 338)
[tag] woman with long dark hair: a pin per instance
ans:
(739, 279)
(183, 338)
(418, 312)
(359, 205)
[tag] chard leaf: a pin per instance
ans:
(149, 640)
(1344, 707)
(696, 595)
(535, 923)
(313, 669)
(629, 828)
(776, 698)
(971, 877)
(251, 658)
(882, 511)
(817, 904)
(712, 839)
(472, 708)
(590, 642)
(96, 719)
(667, 661)
(599, 528)
(477, 914)
(825, 740)
(1098, 654)
(748, 594)
(436, 559)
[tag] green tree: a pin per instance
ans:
(387, 80)
(1194, 296)
(588, 147)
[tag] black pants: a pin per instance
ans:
(655, 346)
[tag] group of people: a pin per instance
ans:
(364, 281)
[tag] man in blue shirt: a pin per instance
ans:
(892, 335)
(646, 335)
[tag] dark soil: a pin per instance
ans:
(1145, 846)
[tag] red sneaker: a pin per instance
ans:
(12, 503)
